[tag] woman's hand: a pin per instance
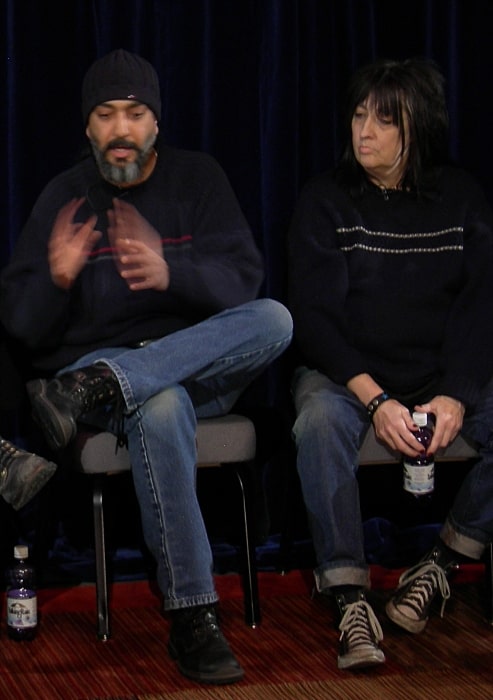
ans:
(394, 425)
(449, 417)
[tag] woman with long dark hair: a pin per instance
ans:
(391, 291)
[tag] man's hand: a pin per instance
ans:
(70, 244)
(141, 266)
(139, 251)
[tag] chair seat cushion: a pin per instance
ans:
(221, 440)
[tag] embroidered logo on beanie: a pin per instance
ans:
(120, 75)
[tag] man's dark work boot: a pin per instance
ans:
(199, 647)
(22, 474)
(58, 403)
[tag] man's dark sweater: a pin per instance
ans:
(395, 286)
(212, 257)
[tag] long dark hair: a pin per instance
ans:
(414, 88)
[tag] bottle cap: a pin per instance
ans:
(420, 419)
(21, 551)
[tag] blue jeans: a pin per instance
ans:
(330, 426)
(167, 384)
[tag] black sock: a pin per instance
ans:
(351, 593)
(448, 556)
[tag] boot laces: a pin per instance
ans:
(92, 391)
(106, 389)
(425, 580)
(360, 625)
(119, 415)
(202, 624)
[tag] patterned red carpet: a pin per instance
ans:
(291, 654)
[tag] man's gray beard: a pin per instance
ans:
(126, 173)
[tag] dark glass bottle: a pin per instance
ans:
(419, 472)
(22, 602)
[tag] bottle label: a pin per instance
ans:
(22, 609)
(419, 479)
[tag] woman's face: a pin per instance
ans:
(377, 145)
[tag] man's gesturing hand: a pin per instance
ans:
(70, 244)
(138, 249)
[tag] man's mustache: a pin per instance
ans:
(120, 143)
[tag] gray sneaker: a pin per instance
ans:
(360, 635)
(418, 587)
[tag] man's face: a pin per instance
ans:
(122, 135)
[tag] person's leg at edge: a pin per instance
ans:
(328, 431)
(467, 530)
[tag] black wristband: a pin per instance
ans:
(376, 402)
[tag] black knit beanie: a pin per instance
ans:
(120, 75)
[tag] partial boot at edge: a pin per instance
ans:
(22, 474)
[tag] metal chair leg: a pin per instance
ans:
(488, 573)
(248, 564)
(103, 621)
(291, 505)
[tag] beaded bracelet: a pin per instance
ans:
(376, 402)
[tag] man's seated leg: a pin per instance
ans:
(161, 440)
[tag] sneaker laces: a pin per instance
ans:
(425, 580)
(360, 625)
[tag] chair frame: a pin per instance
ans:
(244, 471)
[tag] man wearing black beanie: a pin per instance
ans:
(146, 310)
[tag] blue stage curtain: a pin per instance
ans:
(256, 83)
